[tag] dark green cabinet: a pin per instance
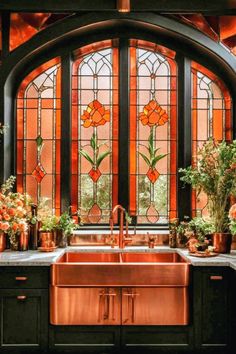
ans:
(212, 308)
(24, 309)
(25, 328)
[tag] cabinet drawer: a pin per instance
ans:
(24, 277)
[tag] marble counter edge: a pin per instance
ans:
(36, 258)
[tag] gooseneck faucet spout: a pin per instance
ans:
(122, 238)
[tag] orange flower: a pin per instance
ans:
(153, 114)
(232, 212)
(95, 115)
(15, 226)
(6, 217)
(4, 226)
(11, 211)
(19, 203)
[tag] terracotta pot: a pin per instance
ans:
(221, 242)
(2, 241)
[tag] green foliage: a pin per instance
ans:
(215, 175)
(8, 185)
(232, 226)
(3, 128)
(160, 194)
(49, 223)
(97, 157)
(67, 224)
(153, 158)
(201, 227)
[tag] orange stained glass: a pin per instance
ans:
(152, 127)
(39, 133)
(95, 131)
(211, 117)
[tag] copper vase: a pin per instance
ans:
(2, 241)
(24, 241)
(221, 242)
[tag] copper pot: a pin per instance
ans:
(221, 242)
(2, 241)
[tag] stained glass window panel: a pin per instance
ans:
(211, 117)
(152, 134)
(95, 132)
(38, 134)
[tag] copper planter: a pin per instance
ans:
(221, 242)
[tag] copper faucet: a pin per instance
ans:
(123, 239)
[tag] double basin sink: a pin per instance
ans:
(119, 288)
(120, 269)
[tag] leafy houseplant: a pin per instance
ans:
(66, 225)
(201, 228)
(49, 223)
(47, 229)
(215, 175)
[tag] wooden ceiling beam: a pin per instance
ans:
(221, 7)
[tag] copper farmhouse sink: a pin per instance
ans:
(119, 288)
(120, 269)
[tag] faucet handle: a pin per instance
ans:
(111, 222)
(151, 240)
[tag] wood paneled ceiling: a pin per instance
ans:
(215, 18)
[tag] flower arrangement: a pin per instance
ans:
(14, 210)
(214, 174)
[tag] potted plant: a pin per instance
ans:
(47, 230)
(215, 174)
(201, 229)
(66, 225)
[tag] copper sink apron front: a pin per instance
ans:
(116, 288)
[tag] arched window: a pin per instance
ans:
(38, 134)
(211, 117)
(100, 146)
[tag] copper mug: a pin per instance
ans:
(2, 241)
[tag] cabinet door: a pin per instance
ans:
(211, 307)
(155, 306)
(24, 318)
(84, 306)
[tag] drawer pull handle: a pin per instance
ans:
(216, 277)
(21, 297)
(21, 278)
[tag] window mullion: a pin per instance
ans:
(124, 123)
(65, 132)
(184, 132)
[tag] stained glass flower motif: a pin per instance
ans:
(95, 115)
(153, 114)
